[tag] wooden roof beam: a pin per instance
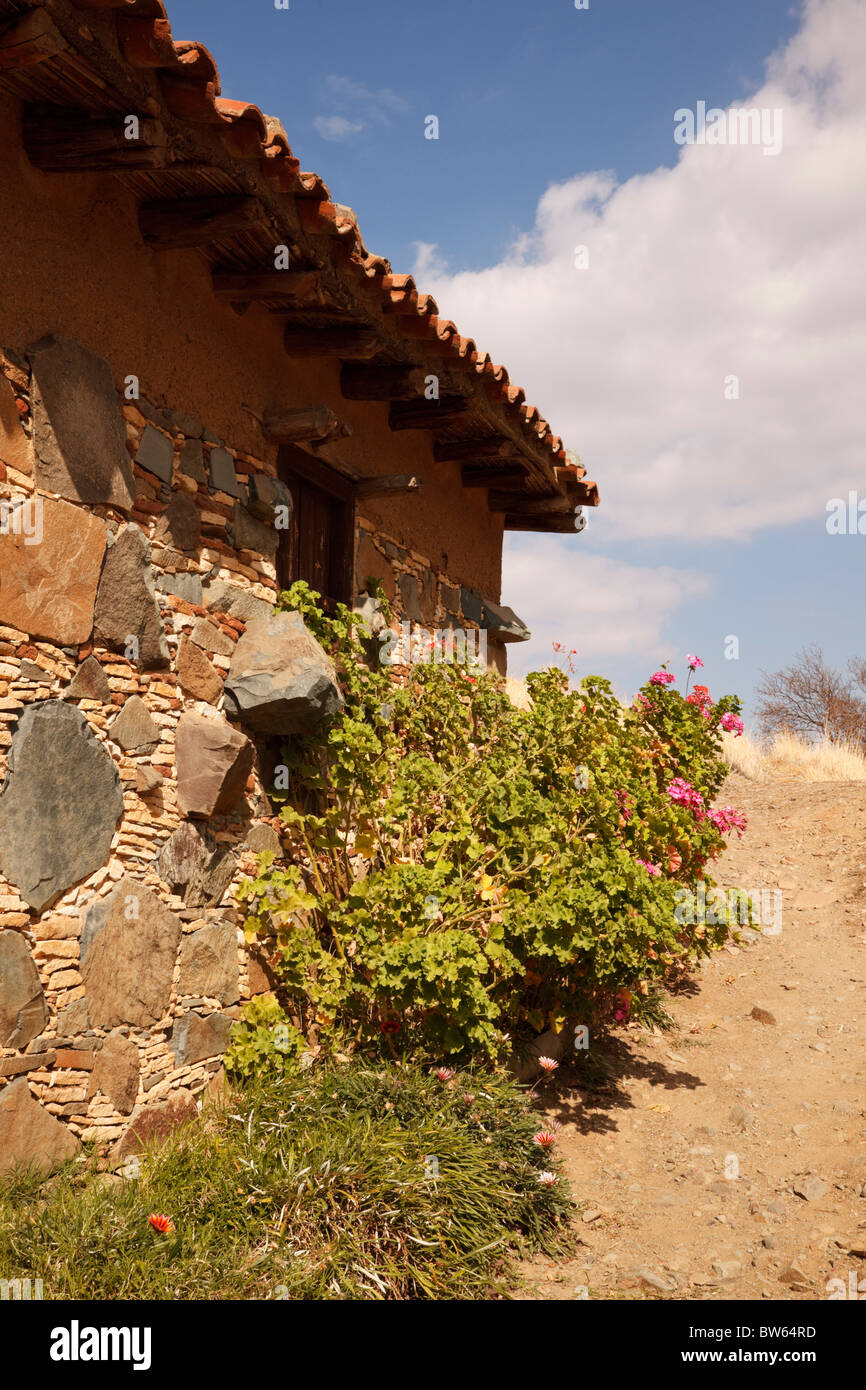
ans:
(269, 284)
(169, 224)
(332, 341)
(59, 141)
(422, 414)
(308, 422)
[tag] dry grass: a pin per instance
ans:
(793, 759)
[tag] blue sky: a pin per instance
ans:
(556, 128)
(526, 93)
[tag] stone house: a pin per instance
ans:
(208, 388)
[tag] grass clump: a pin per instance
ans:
(346, 1182)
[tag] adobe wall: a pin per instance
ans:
(133, 797)
(74, 262)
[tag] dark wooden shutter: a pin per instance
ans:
(318, 545)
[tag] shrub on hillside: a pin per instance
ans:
(464, 875)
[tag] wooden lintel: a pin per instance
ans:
(334, 341)
(473, 450)
(268, 284)
(309, 422)
(29, 39)
(472, 475)
(172, 223)
(66, 141)
(392, 482)
(563, 524)
(426, 415)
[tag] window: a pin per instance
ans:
(319, 542)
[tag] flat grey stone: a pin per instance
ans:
(60, 803)
(134, 729)
(209, 963)
(263, 839)
(213, 762)
(32, 671)
(196, 1037)
(155, 453)
(410, 597)
(220, 596)
(222, 472)
(23, 1012)
(78, 429)
(280, 680)
(147, 780)
(116, 1073)
(503, 623)
(89, 683)
(211, 638)
(192, 460)
(185, 586)
(185, 424)
(251, 534)
(28, 1134)
(179, 527)
(472, 605)
(195, 866)
(266, 494)
(74, 1018)
(126, 606)
(129, 962)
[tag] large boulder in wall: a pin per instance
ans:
(28, 1134)
(23, 1012)
(50, 561)
(78, 430)
(213, 762)
(60, 803)
(126, 608)
(280, 680)
(128, 949)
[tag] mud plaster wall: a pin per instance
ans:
(74, 261)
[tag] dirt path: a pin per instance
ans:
(649, 1135)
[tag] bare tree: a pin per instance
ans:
(813, 700)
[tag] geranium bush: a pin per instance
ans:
(464, 875)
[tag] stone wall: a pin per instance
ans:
(136, 587)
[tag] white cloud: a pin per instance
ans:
(599, 606)
(363, 105)
(336, 127)
(731, 262)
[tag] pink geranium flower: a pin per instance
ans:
(693, 662)
(732, 724)
(661, 678)
(652, 869)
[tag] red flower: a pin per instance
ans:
(544, 1139)
(160, 1223)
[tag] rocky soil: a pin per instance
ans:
(726, 1159)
